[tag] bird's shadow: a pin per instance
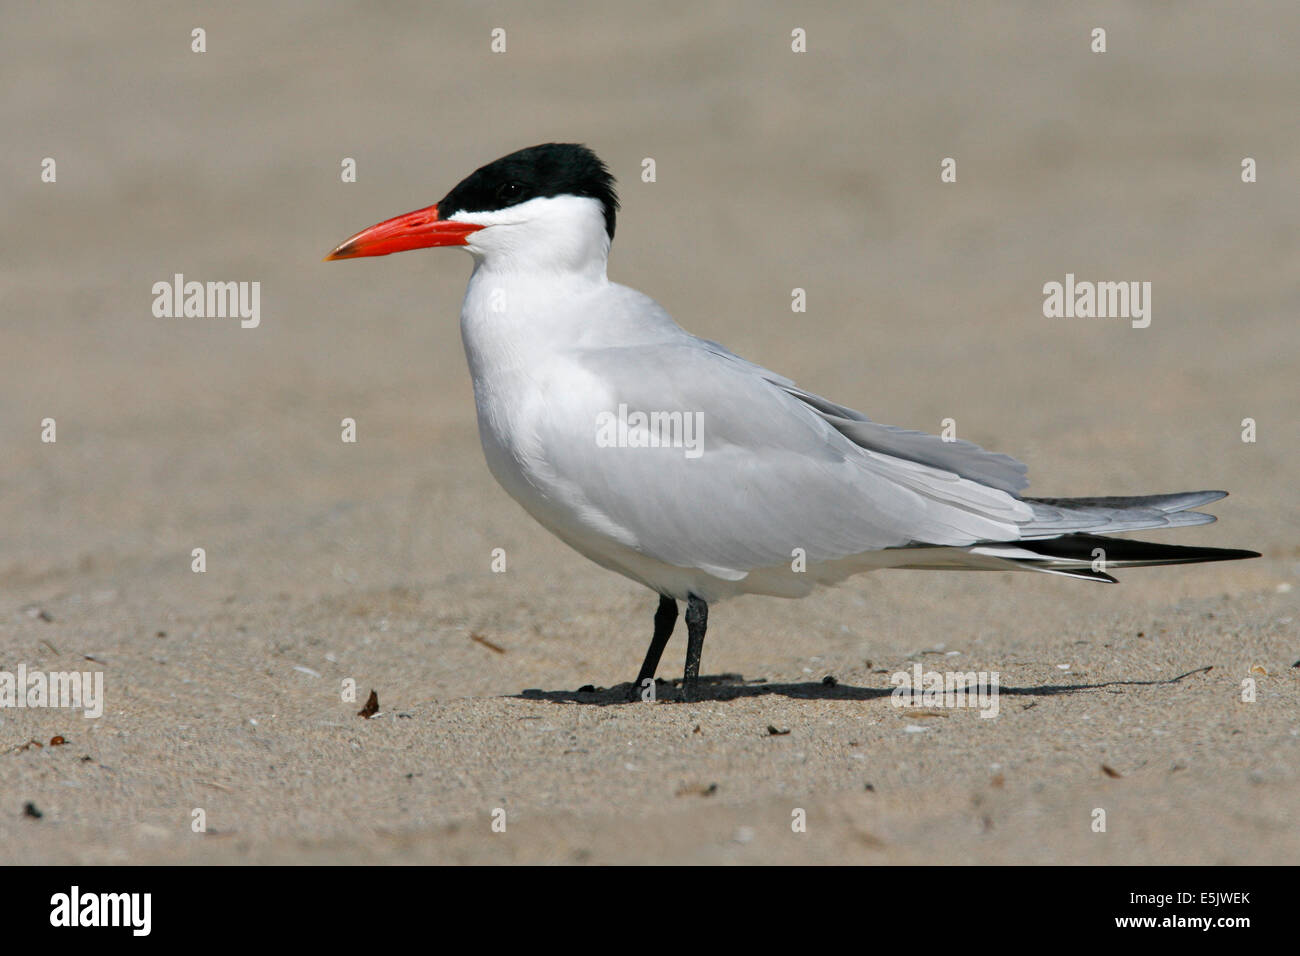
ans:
(722, 687)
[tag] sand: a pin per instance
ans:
(372, 561)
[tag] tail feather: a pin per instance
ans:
(1062, 538)
(1084, 555)
(1059, 516)
(1178, 501)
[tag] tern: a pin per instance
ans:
(679, 464)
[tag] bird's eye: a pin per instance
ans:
(510, 191)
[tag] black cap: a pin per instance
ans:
(552, 169)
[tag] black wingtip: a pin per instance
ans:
(1122, 552)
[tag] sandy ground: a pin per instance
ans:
(371, 561)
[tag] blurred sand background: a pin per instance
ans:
(775, 170)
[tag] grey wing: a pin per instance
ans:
(1051, 517)
(957, 456)
(775, 472)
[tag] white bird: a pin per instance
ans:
(680, 465)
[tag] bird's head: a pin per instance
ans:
(546, 208)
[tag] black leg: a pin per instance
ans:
(697, 622)
(665, 619)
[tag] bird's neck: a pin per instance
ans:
(511, 315)
(505, 290)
